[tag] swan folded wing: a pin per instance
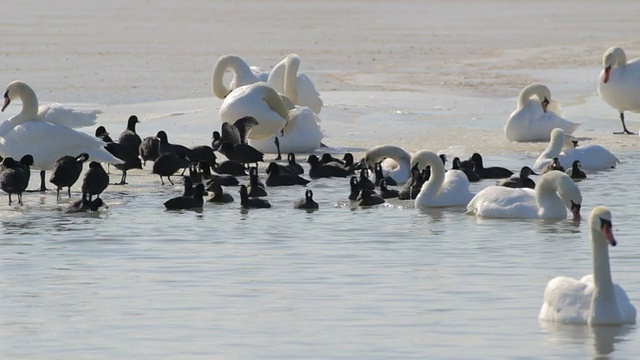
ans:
(59, 141)
(627, 310)
(503, 202)
(58, 114)
(567, 300)
(456, 186)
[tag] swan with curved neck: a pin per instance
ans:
(554, 193)
(535, 116)
(285, 79)
(260, 102)
(592, 157)
(595, 299)
(619, 83)
(442, 189)
(46, 141)
(402, 173)
(301, 134)
(242, 75)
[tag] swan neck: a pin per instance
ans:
(272, 98)
(601, 270)
(236, 64)
(434, 184)
(555, 146)
(29, 106)
(525, 96)
(290, 78)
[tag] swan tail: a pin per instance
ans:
(58, 114)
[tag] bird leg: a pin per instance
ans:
(42, 187)
(277, 142)
(624, 127)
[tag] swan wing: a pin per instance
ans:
(502, 202)
(567, 300)
(592, 157)
(48, 142)
(456, 188)
(58, 114)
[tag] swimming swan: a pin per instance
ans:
(619, 83)
(402, 173)
(242, 75)
(534, 117)
(554, 193)
(29, 132)
(594, 299)
(592, 157)
(442, 189)
(285, 79)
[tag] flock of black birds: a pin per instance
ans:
(206, 174)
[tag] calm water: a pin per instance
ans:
(343, 282)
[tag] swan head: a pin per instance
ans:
(14, 91)
(557, 136)
(613, 56)
(600, 223)
(569, 193)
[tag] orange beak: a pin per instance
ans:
(607, 72)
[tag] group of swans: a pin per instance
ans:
(535, 115)
(47, 132)
(285, 107)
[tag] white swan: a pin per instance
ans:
(262, 103)
(534, 117)
(442, 189)
(301, 134)
(402, 172)
(242, 75)
(619, 83)
(594, 299)
(30, 132)
(285, 79)
(554, 193)
(592, 157)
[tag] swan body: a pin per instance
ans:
(242, 75)
(442, 189)
(400, 174)
(30, 133)
(594, 299)
(619, 82)
(302, 133)
(259, 101)
(533, 120)
(592, 157)
(554, 193)
(285, 79)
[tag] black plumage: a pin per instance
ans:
(148, 149)
(306, 203)
(369, 198)
(193, 201)
(256, 187)
(575, 171)
(354, 188)
(387, 193)
(219, 196)
(234, 142)
(466, 167)
(276, 178)
(66, 171)
(84, 204)
(319, 170)
(519, 181)
(251, 203)
(377, 171)
(95, 180)
(494, 172)
(13, 179)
